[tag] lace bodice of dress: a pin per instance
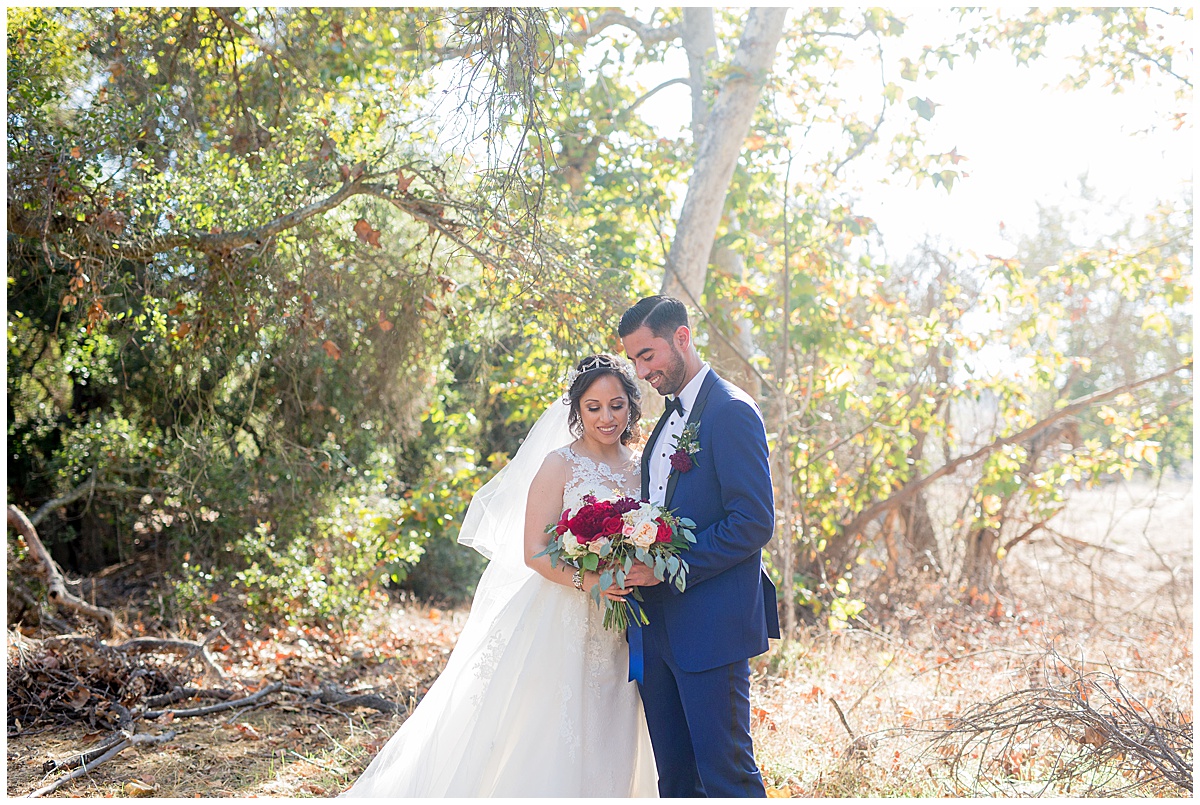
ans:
(592, 478)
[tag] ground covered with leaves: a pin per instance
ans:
(285, 745)
(1073, 677)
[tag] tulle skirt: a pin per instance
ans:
(533, 702)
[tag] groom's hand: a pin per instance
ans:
(640, 576)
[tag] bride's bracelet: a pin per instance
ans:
(577, 579)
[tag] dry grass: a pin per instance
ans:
(1110, 591)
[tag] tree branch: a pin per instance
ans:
(873, 134)
(625, 113)
(719, 149)
(87, 488)
(225, 242)
(648, 34)
(56, 586)
(116, 749)
(253, 698)
(911, 488)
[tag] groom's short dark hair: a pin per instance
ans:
(662, 314)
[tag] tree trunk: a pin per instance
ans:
(729, 359)
(920, 536)
(700, 44)
(725, 130)
(979, 559)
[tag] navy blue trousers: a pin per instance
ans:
(699, 725)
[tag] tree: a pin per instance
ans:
(263, 269)
(838, 288)
(721, 132)
(237, 257)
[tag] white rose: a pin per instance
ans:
(644, 533)
(597, 545)
(571, 546)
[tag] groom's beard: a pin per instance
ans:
(673, 375)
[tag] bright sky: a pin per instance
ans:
(1024, 143)
(1027, 142)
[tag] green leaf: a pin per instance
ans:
(922, 106)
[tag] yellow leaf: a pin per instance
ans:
(1156, 321)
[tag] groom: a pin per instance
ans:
(696, 684)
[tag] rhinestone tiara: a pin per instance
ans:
(597, 362)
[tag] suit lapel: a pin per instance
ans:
(693, 417)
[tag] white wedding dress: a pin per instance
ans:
(534, 699)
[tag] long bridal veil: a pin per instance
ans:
(438, 750)
(495, 521)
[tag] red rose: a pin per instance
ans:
(605, 508)
(613, 525)
(664, 531)
(564, 523)
(588, 523)
(681, 461)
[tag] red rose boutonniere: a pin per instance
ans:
(687, 445)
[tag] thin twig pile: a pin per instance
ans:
(1080, 733)
(80, 679)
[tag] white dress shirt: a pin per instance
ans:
(661, 450)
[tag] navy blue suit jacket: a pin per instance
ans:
(729, 609)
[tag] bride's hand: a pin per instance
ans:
(613, 593)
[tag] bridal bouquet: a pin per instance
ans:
(608, 536)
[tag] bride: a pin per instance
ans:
(534, 699)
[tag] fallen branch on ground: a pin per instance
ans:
(180, 693)
(326, 694)
(114, 750)
(232, 704)
(331, 694)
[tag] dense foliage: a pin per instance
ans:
(300, 399)
(285, 285)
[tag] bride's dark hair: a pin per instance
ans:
(587, 372)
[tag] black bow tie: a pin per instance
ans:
(673, 404)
